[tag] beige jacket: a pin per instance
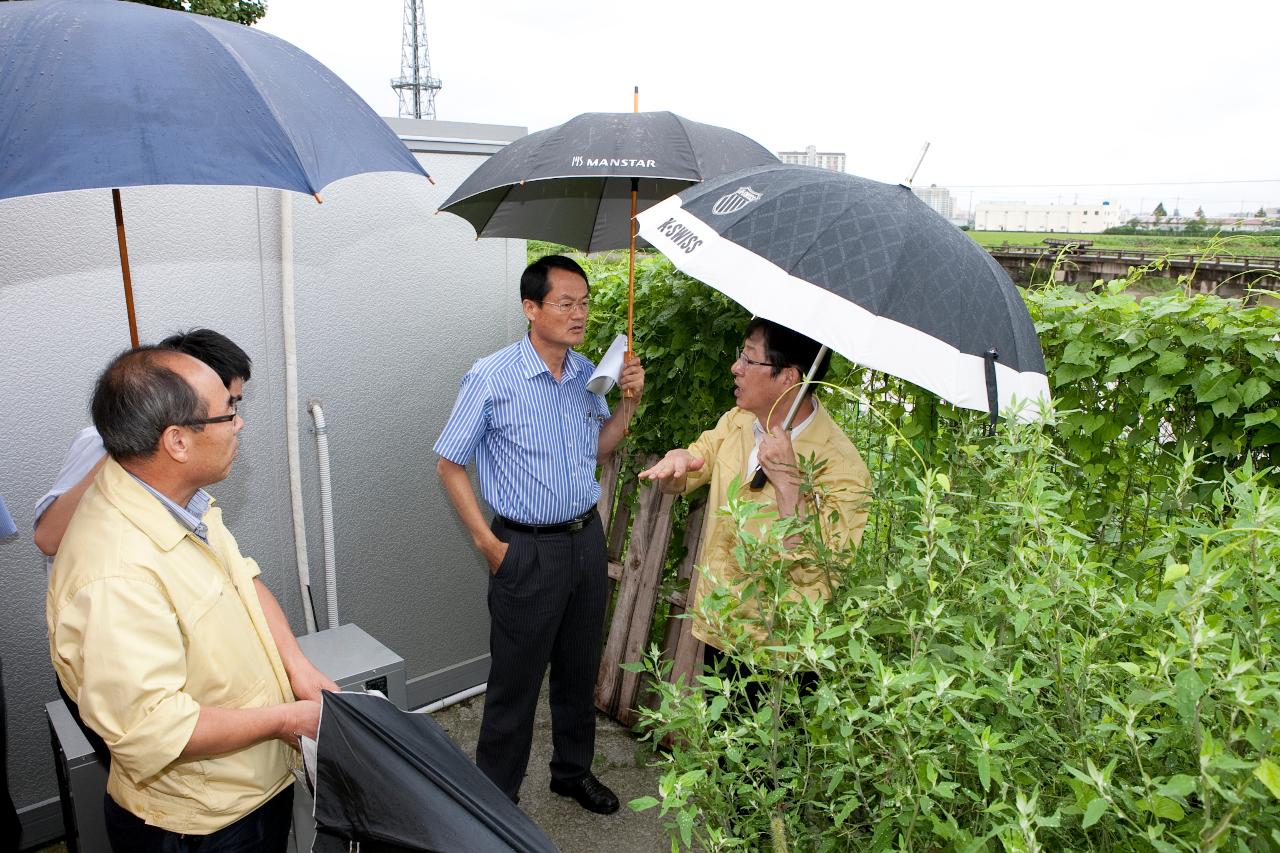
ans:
(726, 449)
(146, 624)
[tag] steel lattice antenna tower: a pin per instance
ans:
(416, 87)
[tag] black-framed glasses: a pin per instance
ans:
(220, 419)
(746, 359)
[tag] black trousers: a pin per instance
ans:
(263, 830)
(546, 607)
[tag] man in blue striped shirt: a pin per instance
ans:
(536, 433)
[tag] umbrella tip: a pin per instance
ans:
(316, 196)
(432, 180)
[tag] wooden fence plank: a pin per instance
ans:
(608, 488)
(621, 521)
(648, 578)
(683, 649)
(608, 682)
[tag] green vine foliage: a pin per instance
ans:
(1141, 384)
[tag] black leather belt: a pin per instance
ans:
(569, 526)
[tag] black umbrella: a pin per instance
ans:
(865, 268)
(581, 183)
(392, 780)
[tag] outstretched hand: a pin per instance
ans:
(675, 466)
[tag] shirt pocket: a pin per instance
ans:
(226, 663)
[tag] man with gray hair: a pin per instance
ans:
(162, 632)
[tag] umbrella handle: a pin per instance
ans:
(993, 395)
(631, 278)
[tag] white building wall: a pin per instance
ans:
(1068, 218)
(811, 156)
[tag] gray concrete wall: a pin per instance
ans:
(393, 304)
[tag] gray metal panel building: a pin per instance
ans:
(393, 304)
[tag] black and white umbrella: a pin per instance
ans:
(866, 269)
(580, 183)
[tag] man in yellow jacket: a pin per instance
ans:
(772, 362)
(162, 632)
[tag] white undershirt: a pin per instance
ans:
(753, 458)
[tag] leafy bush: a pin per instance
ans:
(983, 683)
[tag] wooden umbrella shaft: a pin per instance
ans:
(631, 278)
(124, 266)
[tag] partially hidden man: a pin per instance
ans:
(536, 433)
(765, 374)
(177, 654)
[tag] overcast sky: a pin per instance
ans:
(1130, 101)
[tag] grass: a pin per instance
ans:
(1236, 244)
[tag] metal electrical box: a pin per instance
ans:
(353, 659)
(357, 662)
(82, 781)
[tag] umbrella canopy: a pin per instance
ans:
(572, 184)
(397, 780)
(100, 94)
(865, 268)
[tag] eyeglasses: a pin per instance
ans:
(745, 359)
(568, 306)
(220, 419)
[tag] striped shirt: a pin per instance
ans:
(534, 439)
(190, 516)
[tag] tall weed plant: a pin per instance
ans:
(982, 683)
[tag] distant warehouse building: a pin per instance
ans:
(1068, 218)
(811, 156)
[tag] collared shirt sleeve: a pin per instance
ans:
(131, 690)
(85, 451)
(472, 413)
(706, 447)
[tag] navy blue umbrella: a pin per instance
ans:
(99, 94)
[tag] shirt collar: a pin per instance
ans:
(758, 430)
(190, 516)
(534, 365)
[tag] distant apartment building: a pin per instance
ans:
(1068, 218)
(811, 156)
(939, 198)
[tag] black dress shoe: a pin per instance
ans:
(590, 792)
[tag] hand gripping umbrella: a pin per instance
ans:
(866, 269)
(100, 94)
(391, 780)
(581, 183)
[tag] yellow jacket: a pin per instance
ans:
(146, 624)
(726, 449)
